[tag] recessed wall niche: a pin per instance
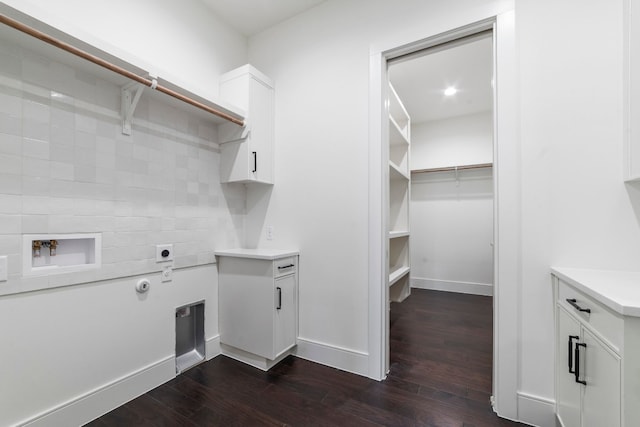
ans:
(58, 253)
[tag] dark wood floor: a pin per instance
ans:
(441, 347)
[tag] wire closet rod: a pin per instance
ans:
(454, 168)
(115, 68)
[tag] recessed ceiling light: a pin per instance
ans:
(450, 91)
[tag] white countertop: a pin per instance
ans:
(269, 254)
(618, 290)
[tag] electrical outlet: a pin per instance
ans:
(164, 253)
(167, 274)
(269, 232)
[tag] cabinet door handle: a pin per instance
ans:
(577, 359)
(570, 352)
(279, 298)
(575, 305)
(282, 267)
(255, 161)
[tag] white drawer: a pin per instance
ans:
(606, 323)
(285, 266)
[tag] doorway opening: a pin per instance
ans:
(441, 214)
(440, 152)
(506, 207)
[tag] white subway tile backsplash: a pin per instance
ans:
(36, 168)
(36, 111)
(84, 173)
(10, 224)
(35, 224)
(66, 167)
(10, 244)
(62, 224)
(10, 204)
(86, 124)
(62, 136)
(35, 148)
(34, 129)
(10, 183)
(10, 105)
(61, 205)
(10, 164)
(85, 149)
(63, 171)
(10, 125)
(61, 189)
(36, 185)
(10, 144)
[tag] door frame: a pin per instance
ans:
(506, 182)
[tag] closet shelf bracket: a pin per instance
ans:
(130, 95)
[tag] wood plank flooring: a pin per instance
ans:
(441, 352)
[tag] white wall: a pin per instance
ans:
(452, 216)
(320, 63)
(65, 167)
(463, 140)
(183, 42)
(88, 349)
(575, 209)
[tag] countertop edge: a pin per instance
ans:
(566, 275)
(266, 254)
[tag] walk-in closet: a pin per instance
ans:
(447, 93)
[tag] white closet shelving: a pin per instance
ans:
(399, 194)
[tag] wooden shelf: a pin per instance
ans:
(454, 168)
(12, 37)
(398, 274)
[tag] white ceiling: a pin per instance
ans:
(420, 82)
(252, 16)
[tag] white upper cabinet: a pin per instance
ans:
(247, 152)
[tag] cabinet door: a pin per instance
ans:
(568, 390)
(285, 314)
(245, 292)
(261, 135)
(600, 368)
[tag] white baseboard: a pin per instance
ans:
(337, 357)
(89, 406)
(254, 360)
(485, 289)
(536, 410)
(212, 347)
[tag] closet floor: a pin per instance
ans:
(441, 351)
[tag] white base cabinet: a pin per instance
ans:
(597, 348)
(258, 305)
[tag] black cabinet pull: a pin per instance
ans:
(282, 267)
(575, 305)
(255, 161)
(577, 358)
(279, 298)
(570, 352)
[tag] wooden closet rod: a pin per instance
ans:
(115, 68)
(454, 168)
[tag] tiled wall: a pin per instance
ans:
(66, 167)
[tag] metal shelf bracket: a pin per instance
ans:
(130, 95)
